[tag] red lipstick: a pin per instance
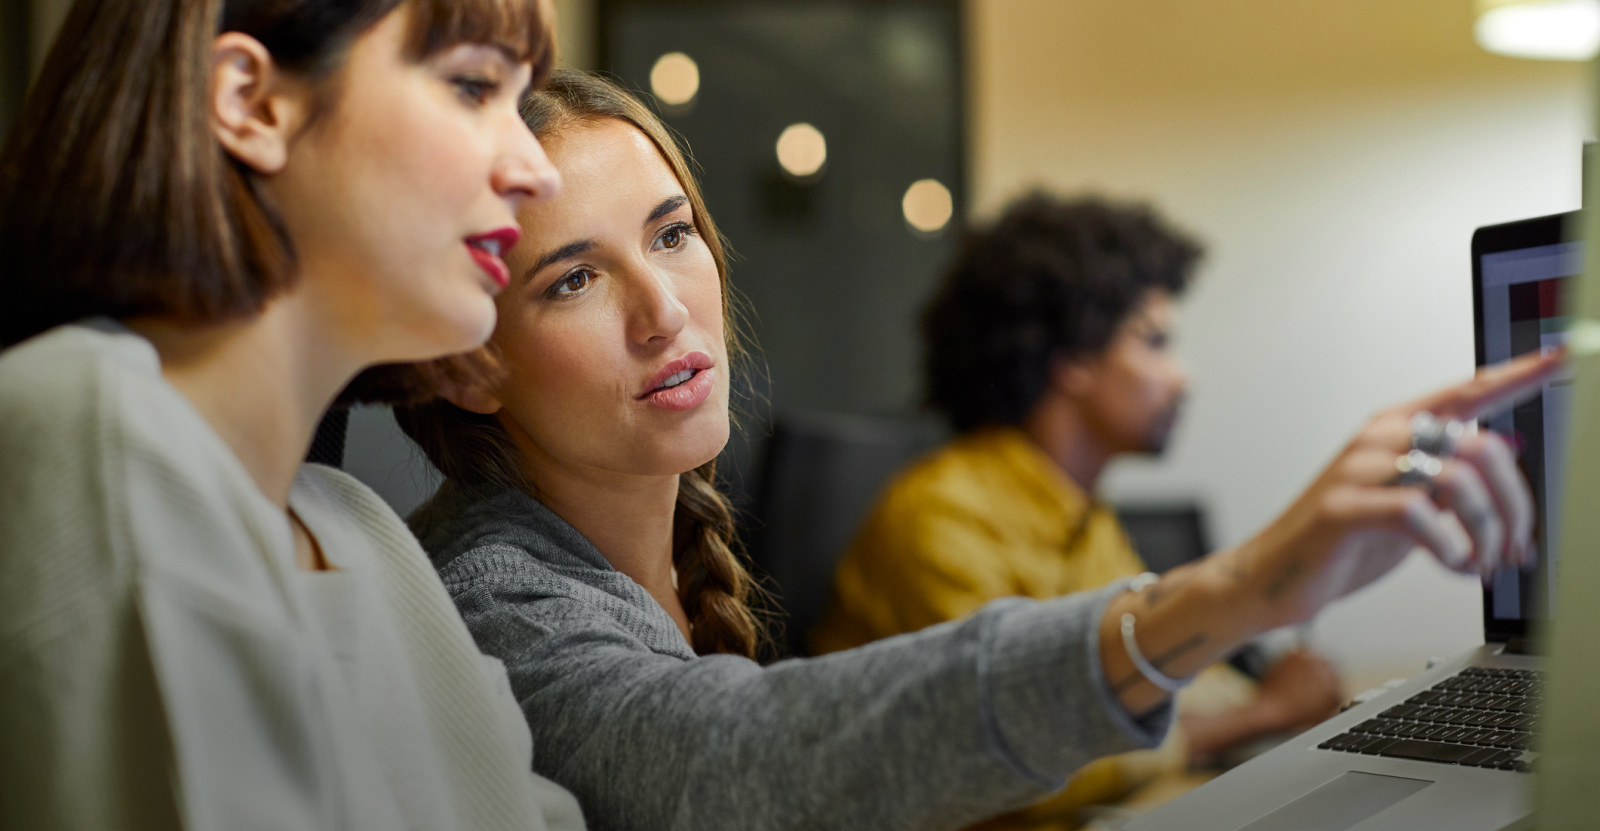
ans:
(487, 249)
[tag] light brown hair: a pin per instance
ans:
(116, 198)
(476, 453)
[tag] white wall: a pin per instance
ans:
(1335, 158)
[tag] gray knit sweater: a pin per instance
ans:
(931, 730)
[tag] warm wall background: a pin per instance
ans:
(1335, 157)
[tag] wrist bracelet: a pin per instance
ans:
(1131, 645)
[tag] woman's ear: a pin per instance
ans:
(469, 396)
(255, 109)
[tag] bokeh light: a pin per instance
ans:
(928, 205)
(802, 150)
(675, 79)
(1561, 30)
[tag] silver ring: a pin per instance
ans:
(1435, 436)
(1416, 468)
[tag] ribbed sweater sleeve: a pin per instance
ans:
(935, 729)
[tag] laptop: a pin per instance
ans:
(1449, 749)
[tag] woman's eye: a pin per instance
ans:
(475, 88)
(571, 284)
(675, 235)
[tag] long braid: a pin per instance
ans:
(713, 583)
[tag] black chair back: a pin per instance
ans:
(327, 446)
(821, 474)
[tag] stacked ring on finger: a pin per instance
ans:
(1435, 436)
(1416, 468)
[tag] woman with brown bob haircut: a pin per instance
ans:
(582, 536)
(213, 215)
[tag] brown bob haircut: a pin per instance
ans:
(115, 197)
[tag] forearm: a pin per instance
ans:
(1193, 617)
(1354, 524)
(935, 729)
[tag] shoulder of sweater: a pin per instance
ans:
(51, 383)
(93, 393)
(595, 606)
(108, 469)
(456, 522)
(563, 589)
(86, 412)
(502, 563)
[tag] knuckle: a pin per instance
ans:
(1470, 447)
(1351, 465)
(1332, 505)
(1414, 503)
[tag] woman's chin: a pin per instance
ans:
(691, 449)
(476, 323)
(466, 328)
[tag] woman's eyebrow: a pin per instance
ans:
(667, 206)
(571, 249)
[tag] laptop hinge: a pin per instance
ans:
(1518, 645)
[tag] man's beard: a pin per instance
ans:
(1160, 433)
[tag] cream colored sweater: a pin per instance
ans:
(163, 664)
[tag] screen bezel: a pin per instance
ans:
(1493, 239)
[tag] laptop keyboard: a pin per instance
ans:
(1479, 717)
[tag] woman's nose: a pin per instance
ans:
(525, 172)
(658, 315)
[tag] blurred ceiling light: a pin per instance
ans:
(927, 205)
(675, 79)
(802, 150)
(1557, 30)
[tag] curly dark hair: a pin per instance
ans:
(1051, 277)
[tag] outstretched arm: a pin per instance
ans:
(935, 729)
(1350, 527)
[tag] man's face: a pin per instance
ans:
(1130, 393)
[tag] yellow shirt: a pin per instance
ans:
(988, 515)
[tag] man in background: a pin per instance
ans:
(1048, 350)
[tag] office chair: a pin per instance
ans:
(1165, 535)
(327, 446)
(821, 475)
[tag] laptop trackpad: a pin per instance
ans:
(1339, 804)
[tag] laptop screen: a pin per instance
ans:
(1522, 271)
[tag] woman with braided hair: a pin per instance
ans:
(581, 534)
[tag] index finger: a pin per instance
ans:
(1492, 387)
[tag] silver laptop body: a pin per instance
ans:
(1519, 272)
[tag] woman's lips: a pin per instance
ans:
(685, 396)
(493, 265)
(486, 250)
(692, 361)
